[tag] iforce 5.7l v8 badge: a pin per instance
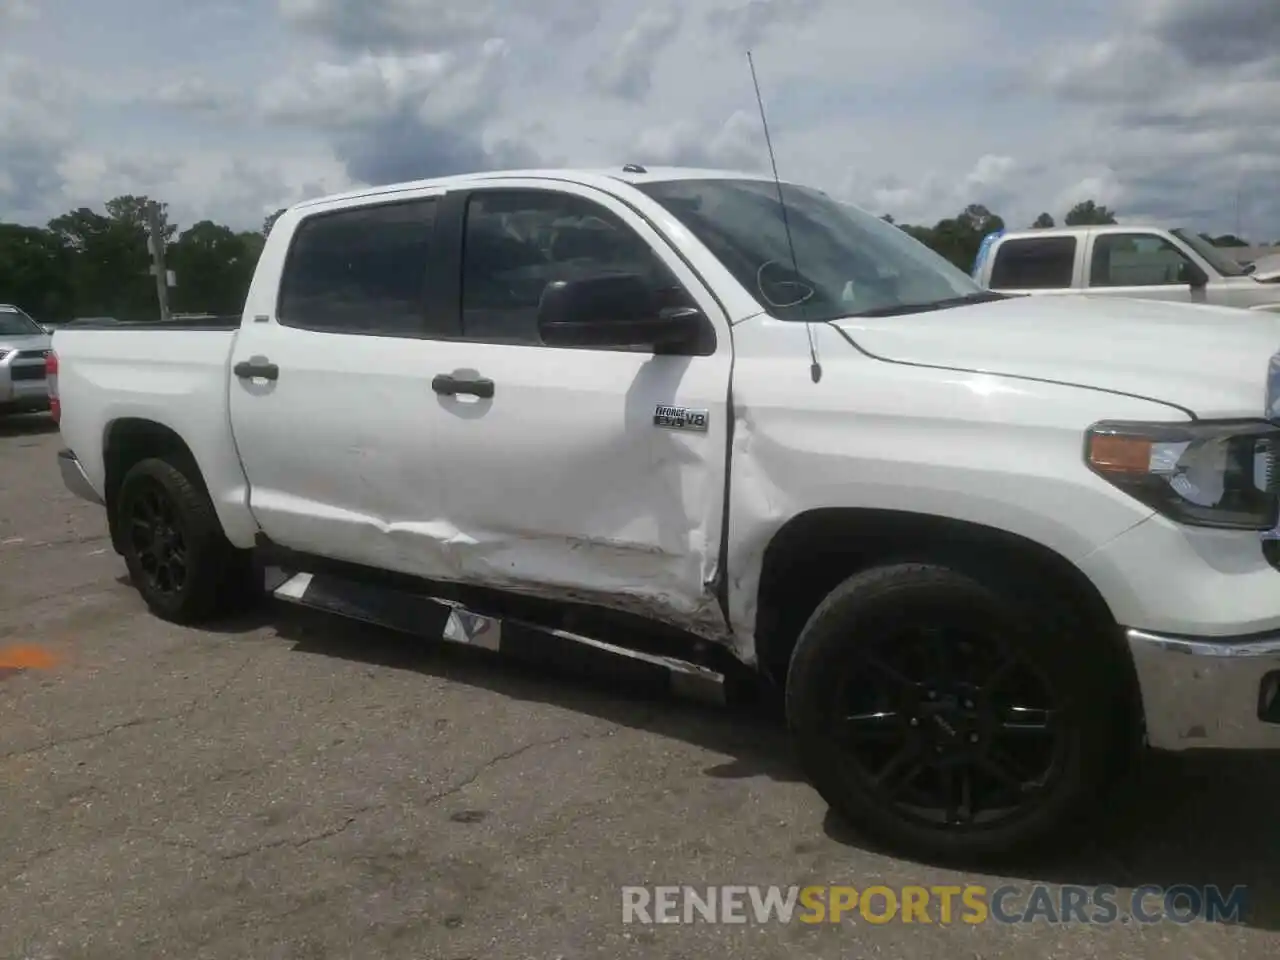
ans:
(680, 418)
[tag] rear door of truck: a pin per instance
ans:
(330, 391)
(1043, 262)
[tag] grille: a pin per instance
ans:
(1269, 466)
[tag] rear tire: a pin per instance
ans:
(179, 560)
(953, 716)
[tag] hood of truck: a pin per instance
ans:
(1267, 269)
(1209, 360)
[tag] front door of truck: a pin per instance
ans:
(1141, 264)
(583, 473)
(330, 398)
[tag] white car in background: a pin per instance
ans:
(24, 345)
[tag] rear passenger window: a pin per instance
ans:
(1034, 263)
(360, 271)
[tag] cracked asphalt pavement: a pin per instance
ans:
(295, 786)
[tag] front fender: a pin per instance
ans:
(999, 452)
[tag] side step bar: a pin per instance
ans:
(438, 619)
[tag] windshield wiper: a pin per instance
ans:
(896, 310)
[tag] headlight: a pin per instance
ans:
(1209, 474)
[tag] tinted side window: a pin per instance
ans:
(1036, 263)
(1136, 260)
(518, 241)
(360, 271)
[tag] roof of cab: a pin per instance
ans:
(1068, 229)
(628, 174)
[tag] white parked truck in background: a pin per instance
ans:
(989, 545)
(1127, 260)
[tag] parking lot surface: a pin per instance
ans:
(295, 786)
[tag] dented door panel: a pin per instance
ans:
(594, 475)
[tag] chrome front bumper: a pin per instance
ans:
(73, 476)
(1209, 693)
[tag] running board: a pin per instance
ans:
(438, 619)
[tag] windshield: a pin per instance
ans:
(850, 262)
(1217, 259)
(15, 323)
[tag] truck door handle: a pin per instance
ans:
(249, 369)
(448, 385)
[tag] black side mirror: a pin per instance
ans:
(614, 310)
(1194, 274)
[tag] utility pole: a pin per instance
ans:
(157, 257)
(1239, 201)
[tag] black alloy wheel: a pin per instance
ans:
(953, 715)
(179, 559)
(948, 723)
(156, 539)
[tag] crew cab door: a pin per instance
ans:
(563, 472)
(330, 389)
(1142, 264)
(1043, 264)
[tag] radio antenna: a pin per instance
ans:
(815, 368)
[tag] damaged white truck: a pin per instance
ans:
(989, 545)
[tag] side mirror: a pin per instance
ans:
(614, 310)
(1194, 274)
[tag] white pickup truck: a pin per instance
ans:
(1126, 260)
(988, 545)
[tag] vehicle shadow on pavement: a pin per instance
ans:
(749, 733)
(1192, 820)
(26, 425)
(1196, 821)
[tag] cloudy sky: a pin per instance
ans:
(229, 109)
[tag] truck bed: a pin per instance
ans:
(174, 375)
(227, 322)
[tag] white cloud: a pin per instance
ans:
(736, 144)
(626, 71)
(35, 129)
(1164, 107)
(190, 93)
(1186, 100)
(17, 12)
(749, 22)
(212, 184)
(432, 25)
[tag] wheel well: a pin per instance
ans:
(131, 440)
(816, 551)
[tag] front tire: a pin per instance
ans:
(953, 716)
(179, 559)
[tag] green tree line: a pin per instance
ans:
(89, 263)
